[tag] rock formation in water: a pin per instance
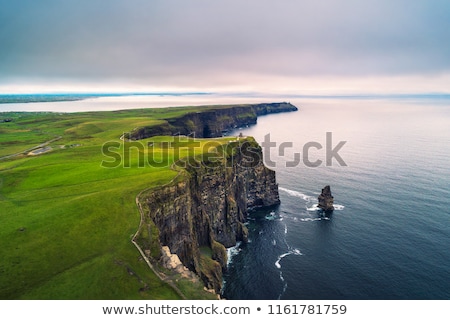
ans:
(326, 200)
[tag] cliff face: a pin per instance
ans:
(212, 122)
(201, 214)
(326, 200)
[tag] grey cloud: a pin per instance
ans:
(174, 40)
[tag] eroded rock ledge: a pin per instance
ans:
(211, 122)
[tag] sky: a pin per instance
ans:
(292, 46)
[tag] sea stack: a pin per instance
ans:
(326, 200)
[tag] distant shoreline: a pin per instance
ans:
(61, 97)
(87, 102)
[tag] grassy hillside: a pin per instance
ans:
(66, 220)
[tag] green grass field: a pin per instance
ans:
(66, 221)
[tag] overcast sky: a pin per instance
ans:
(279, 45)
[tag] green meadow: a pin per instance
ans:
(67, 216)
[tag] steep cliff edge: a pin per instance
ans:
(203, 210)
(212, 122)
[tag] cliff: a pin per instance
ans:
(212, 122)
(204, 209)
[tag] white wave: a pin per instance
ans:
(293, 251)
(274, 242)
(278, 265)
(315, 207)
(310, 219)
(284, 287)
(271, 216)
(337, 207)
(315, 219)
(285, 229)
(297, 194)
(233, 251)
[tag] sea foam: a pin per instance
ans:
(293, 251)
(297, 194)
(233, 251)
(314, 207)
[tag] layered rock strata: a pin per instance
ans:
(211, 122)
(204, 210)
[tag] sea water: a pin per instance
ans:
(389, 235)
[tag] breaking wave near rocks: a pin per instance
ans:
(298, 194)
(309, 199)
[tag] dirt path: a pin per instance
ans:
(162, 277)
(33, 149)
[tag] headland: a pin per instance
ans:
(68, 221)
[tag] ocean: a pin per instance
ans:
(389, 235)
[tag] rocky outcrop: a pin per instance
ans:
(211, 122)
(326, 200)
(172, 262)
(204, 210)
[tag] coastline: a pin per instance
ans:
(61, 97)
(70, 172)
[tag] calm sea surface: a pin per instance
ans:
(103, 103)
(389, 237)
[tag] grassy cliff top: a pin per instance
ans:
(67, 199)
(21, 131)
